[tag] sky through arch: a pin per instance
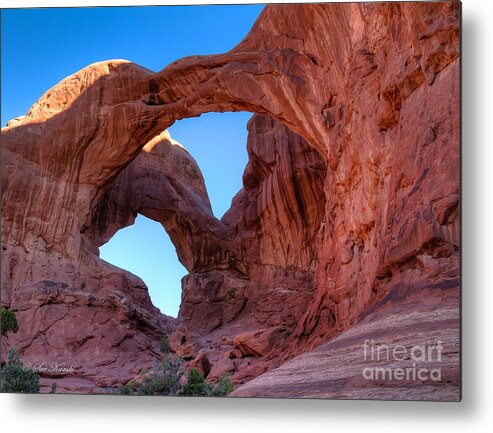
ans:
(42, 46)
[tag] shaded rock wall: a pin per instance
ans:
(346, 366)
(273, 224)
(364, 97)
(164, 183)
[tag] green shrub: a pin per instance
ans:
(162, 380)
(164, 345)
(165, 380)
(223, 386)
(15, 378)
(196, 385)
(8, 321)
(131, 388)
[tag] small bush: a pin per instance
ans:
(196, 385)
(162, 380)
(131, 388)
(223, 386)
(164, 345)
(8, 321)
(165, 380)
(15, 378)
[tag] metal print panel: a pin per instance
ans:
(334, 271)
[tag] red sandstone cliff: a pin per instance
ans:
(349, 211)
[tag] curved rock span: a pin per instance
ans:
(344, 236)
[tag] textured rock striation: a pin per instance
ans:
(273, 223)
(359, 363)
(349, 210)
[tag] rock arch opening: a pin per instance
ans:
(264, 239)
(145, 249)
(217, 141)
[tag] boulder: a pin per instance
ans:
(178, 338)
(201, 363)
(259, 342)
(223, 366)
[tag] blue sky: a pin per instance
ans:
(40, 47)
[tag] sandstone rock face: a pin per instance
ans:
(181, 343)
(201, 363)
(225, 365)
(360, 362)
(273, 224)
(349, 210)
(165, 184)
(257, 343)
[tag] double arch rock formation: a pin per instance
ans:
(349, 210)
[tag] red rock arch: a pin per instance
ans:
(368, 86)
